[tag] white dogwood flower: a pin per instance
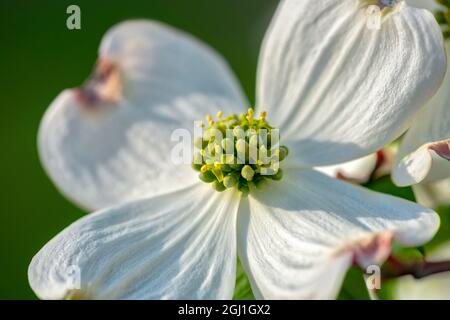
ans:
(336, 89)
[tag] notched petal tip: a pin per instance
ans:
(103, 88)
(416, 166)
(413, 168)
(374, 249)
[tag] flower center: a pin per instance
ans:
(238, 151)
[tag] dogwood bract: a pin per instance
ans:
(336, 89)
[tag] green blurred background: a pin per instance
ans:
(39, 57)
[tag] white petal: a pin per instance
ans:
(297, 239)
(433, 194)
(429, 163)
(435, 287)
(340, 90)
(176, 246)
(431, 126)
(121, 152)
(413, 168)
(358, 170)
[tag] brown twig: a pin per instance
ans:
(395, 268)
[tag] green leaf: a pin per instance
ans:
(354, 286)
(387, 291)
(443, 234)
(407, 254)
(385, 185)
(243, 290)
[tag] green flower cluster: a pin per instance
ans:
(239, 151)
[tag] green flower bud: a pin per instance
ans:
(238, 132)
(230, 181)
(260, 183)
(247, 173)
(218, 186)
(284, 152)
(242, 146)
(244, 189)
(198, 158)
(218, 174)
(227, 159)
(253, 140)
(217, 149)
(200, 143)
(236, 166)
(277, 176)
(228, 145)
(226, 168)
(211, 148)
(212, 134)
(263, 155)
(207, 177)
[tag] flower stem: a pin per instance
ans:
(395, 268)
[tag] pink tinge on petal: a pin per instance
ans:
(374, 250)
(385, 162)
(442, 149)
(342, 176)
(104, 87)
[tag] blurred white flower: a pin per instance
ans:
(336, 89)
(433, 194)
